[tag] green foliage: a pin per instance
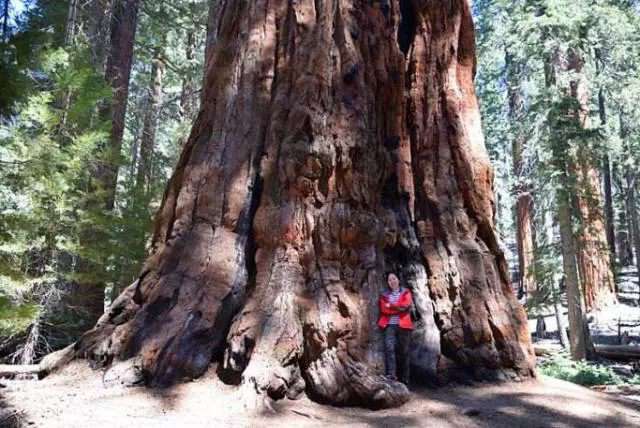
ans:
(54, 135)
(583, 372)
(44, 153)
(15, 318)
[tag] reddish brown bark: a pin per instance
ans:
(593, 252)
(568, 117)
(335, 140)
(524, 234)
(524, 199)
(593, 256)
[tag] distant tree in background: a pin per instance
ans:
(567, 59)
(64, 236)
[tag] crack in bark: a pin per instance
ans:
(407, 27)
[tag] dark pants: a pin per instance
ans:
(396, 352)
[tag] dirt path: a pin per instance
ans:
(77, 398)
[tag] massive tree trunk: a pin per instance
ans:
(593, 256)
(336, 140)
(594, 261)
(606, 173)
(563, 122)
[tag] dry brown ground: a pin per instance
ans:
(78, 398)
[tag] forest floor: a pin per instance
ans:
(77, 397)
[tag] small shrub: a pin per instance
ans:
(583, 372)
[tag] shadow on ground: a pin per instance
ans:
(77, 398)
(550, 403)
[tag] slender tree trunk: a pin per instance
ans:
(118, 70)
(623, 239)
(336, 140)
(5, 20)
(608, 193)
(154, 100)
(98, 25)
(524, 199)
(557, 309)
(187, 107)
(625, 236)
(630, 199)
(188, 101)
(579, 338)
(556, 283)
(524, 232)
(634, 223)
(70, 29)
(64, 102)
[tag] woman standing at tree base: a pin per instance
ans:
(395, 320)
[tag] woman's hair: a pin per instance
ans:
(389, 273)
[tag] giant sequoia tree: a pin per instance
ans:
(336, 140)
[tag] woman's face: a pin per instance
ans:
(393, 282)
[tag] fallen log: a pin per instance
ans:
(56, 360)
(618, 352)
(613, 352)
(49, 364)
(8, 371)
(547, 350)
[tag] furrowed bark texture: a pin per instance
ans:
(335, 140)
(594, 261)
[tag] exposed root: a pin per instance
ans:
(57, 360)
(339, 379)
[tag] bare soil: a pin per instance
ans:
(77, 397)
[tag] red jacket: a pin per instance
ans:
(402, 308)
